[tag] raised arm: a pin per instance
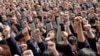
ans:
(90, 36)
(68, 49)
(81, 38)
(11, 41)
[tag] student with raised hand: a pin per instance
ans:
(82, 43)
(11, 41)
(90, 37)
(39, 39)
(35, 44)
(67, 47)
(52, 48)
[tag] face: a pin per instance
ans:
(51, 34)
(98, 47)
(66, 17)
(84, 13)
(78, 8)
(91, 10)
(13, 19)
(6, 50)
(4, 17)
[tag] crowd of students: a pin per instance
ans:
(49, 28)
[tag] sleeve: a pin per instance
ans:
(31, 46)
(13, 46)
(92, 42)
(19, 27)
(42, 46)
(68, 51)
(84, 44)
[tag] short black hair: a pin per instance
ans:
(47, 53)
(86, 52)
(72, 39)
(19, 36)
(3, 42)
(60, 46)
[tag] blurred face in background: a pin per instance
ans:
(5, 50)
(98, 46)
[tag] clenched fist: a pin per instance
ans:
(78, 20)
(87, 27)
(64, 35)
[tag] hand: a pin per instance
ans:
(37, 32)
(97, 23)
(28, 53)
(77, 20)
(24, 47)
(29, 13)
(87, 27)
(94, 2)
(51, 45)
(37, 35)
(41, 25)
(25, 32)
(84, 21)
(25, 23)
(6, 31)
(64, 35)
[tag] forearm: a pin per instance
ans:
(80, 34)
(55, 52)
(42, 46)
(13, 46)
(66, 42)
(68, 30)
(90, 34)
(43, 30)
(38, 39)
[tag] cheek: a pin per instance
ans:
(98, 48)
(6, 53)
(7, 50)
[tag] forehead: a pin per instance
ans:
(3, 15)
(13, 18)
(78, 7)
(51, 31)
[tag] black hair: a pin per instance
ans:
(1, 29)
(72, 39)
(47, 53)
(86, 52)
(60, 46)
(3, 42)
(19, 36)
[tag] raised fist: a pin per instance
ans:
(28, 53)
(41, 25)
(85, 21)
(97, 23)
(78, 20)
(64, 35)
(87, 27)
(51, 45)
(37, 32)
